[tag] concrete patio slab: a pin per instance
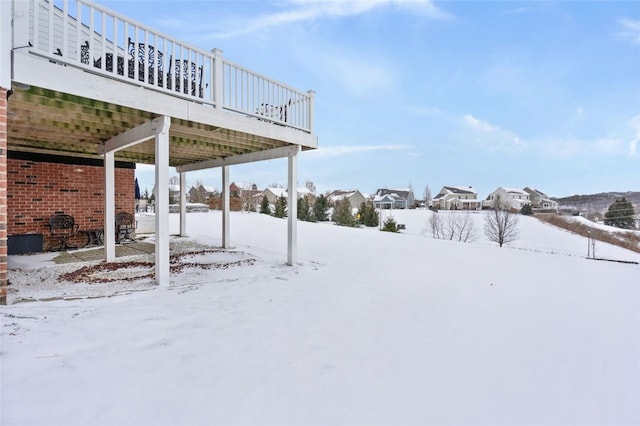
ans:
(123, 250)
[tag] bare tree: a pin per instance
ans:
(456, 226)
(310, 186)
(501, 224)
(199, 193)
(460, 227)
(427, 196)
(436, 226)
(174, 181)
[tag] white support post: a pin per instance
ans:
(109, 236)
(292, 219)
(312, 100)
(218, 80)
(162, 199)
(225, 207)
(20, 15)
(6, 27)
(183, 204)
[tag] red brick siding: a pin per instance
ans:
(37, 190)
(3, 196)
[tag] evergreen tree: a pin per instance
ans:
(304, 212)
(526, 210)
(389, 225)
(281, 207)
(620, 214)
(367, 215)
(320, 208)
(342, 213)
(264, 206)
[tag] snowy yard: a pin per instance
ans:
(368, 328)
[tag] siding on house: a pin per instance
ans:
(403, 198)
(355, 197)
(515, 198)
(456, 197)
(540, 200)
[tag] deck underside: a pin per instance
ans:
(47, 121)
(63, 110)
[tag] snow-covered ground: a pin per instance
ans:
(368, 328)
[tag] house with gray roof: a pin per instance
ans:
(506, 197)
(540, 200)
(355, 197)
(393, 199)
(456, 198)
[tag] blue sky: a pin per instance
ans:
(418, 92)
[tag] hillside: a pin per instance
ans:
(369, 327)
(597, 203)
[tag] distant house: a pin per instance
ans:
(393, 199)
(174, 193)
(246, 191)
(273, 194)
(237, 188)
(355, 197)
(540, 200)
(384, 201)
(456, 198)
(201, 193)
(514, 198)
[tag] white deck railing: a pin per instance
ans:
(83, 34)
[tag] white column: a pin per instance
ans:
(225, 207)
(109, 237)
(292, 219)
(162, 199)
(218, 82)
(20, 33)
(312, 107)
(183, 204)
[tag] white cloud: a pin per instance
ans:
(312, 10)
(338, 151)
(491, 136)
(630, 30)
(567, 148)
(625, 144)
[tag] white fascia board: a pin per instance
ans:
(251, 157)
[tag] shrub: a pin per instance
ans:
(280, 209)
(321, 208)
(342, 214)
(526, 210)
(264, 206)
(367, 215)
(304, 211)
(389, 225)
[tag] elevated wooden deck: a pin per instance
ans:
(83, 74)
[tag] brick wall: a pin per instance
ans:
(3, 196)
(39, 186)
